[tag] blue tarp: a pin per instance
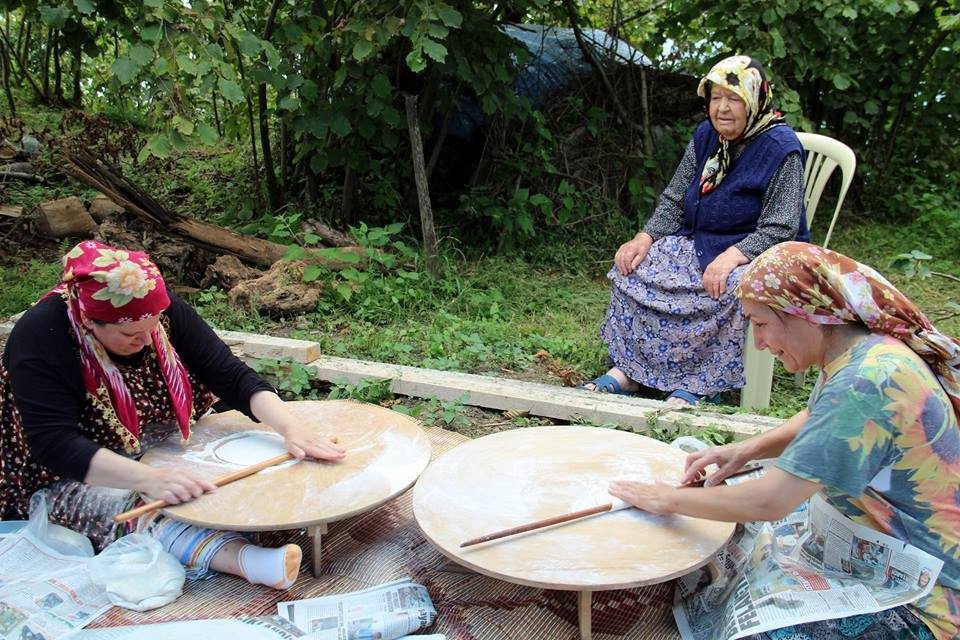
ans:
(555, 59)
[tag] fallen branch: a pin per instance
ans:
(110, 182)
(20, 175)
(331, 236)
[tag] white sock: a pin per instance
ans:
(276, 568)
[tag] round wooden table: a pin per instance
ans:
(386, 452)
(519, 476)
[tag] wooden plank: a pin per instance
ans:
(248, 346)
(254, 346)
(546, 400)
(551, 401)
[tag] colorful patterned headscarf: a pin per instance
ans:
(116, 286)
(744, 76)
(825, 287)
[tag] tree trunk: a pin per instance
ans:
(57, 71)
(273, 190)
(77, 99)
(22, 50)
(15, 56)
(253, 133)
(423, 189)
(5, 78)
(284, 157)
(48, 49)
(349, 197)
(216, 114)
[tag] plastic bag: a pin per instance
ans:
(60, 539)
(137, 573)
(689, 444)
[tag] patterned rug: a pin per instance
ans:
(386, 545)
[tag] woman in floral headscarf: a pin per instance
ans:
(880, 437)
(673, 323)
(101, 368)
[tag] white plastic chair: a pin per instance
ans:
(824, 154)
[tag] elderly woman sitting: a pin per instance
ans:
(879, 437)
(672, 323)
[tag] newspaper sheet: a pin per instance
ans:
(44, 594)
(256, 628)
(815, 564)
(385, 612)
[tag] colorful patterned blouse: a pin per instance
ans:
(884, 442)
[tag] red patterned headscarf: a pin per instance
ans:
(117, 286)
(825, 287)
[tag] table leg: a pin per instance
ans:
(584, 605)
(315, 532)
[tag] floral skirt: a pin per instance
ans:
(665, 332)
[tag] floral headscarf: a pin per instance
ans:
(825, 287)
(743, 76)
(116, 286)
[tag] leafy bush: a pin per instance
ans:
(293, 380)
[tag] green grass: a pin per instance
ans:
(494, 315)
(21, 285)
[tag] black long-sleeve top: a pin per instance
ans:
(43, 364)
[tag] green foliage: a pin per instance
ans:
(712, 434)
(388, 282)
(293, 380)
(449, 414)
(874, 73)
(367, 390)
(214, 307)
(913, 264)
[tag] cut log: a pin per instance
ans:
(19, 167)
(210, 236)
(114, 185)
(103, 207)
(227, 272)
(10, 211)
(280, 291)
(64, 218)
(330, 236)
(19, 175)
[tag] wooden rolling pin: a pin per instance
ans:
(583, 513)
(222, 480)
(540, 524)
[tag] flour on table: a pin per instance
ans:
(242, 450)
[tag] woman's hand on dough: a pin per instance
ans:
(303, 441)
(653, 498)
(174, 486)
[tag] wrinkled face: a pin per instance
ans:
(797, 343)
(124, 339)
(728, 112)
